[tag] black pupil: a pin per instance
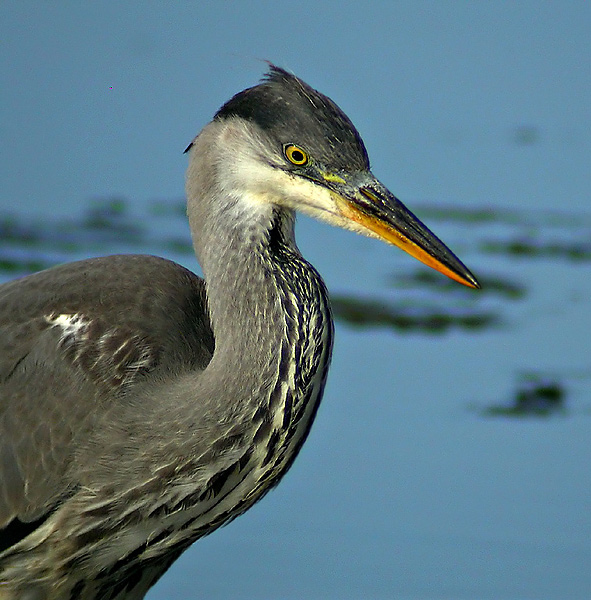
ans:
(298, 156)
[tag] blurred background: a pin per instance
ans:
(450, 457)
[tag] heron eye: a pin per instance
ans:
(295, 155)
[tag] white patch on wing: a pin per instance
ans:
(110, 358)
(73, 326)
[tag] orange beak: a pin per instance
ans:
(377, 211)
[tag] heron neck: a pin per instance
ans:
(258, 287)
(268, 307)
(269, 311)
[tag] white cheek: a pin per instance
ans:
(258, 182)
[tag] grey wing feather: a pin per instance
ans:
(74, 339)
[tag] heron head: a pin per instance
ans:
(283, 143)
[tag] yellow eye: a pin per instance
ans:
(295, 155)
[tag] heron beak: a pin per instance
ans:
(375, 209)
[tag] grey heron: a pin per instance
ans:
(142, 407)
